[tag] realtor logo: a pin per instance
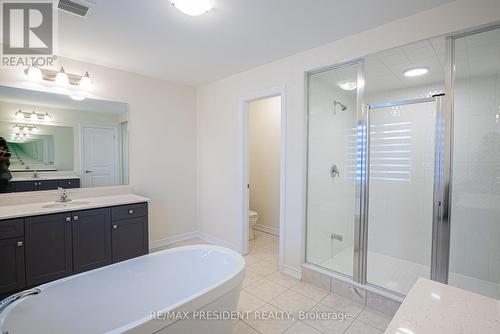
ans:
(28, 33)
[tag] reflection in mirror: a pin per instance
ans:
(51, 140)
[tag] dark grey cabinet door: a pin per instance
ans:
(91, 239)
(12, 276)
(130, 238)
(48, 248)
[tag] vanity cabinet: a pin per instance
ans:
(40, 249)
(38, 185)
(130, 231)
(91, 239)
(12, 267)
(48, 241)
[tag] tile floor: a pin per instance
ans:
(266, 289)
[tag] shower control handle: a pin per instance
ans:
(338, 237)
(334, 171)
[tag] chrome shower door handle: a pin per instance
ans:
(334, 171)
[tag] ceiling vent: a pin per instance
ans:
(80, 8)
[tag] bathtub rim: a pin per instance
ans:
(239, 271)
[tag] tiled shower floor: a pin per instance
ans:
(399, 275)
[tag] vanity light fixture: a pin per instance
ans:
(33, 73)
(416, 71)
(34, 116)
(347, 85)
(193, 7)
(60, 77)
(27, 128)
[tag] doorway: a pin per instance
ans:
(99, 156)
(263, 177)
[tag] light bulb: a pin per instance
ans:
(347, 85)
(34, 129)
(34, 116)
(62, 78)
(46, 117)
(193, 7)
(16, 128)
(85, 81)
(34, 74)
(19, 114)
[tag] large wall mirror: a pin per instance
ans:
(49, 140)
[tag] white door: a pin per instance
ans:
(99, 156)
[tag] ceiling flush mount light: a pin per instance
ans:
(347, 85)
(193, 7)
(416, 71)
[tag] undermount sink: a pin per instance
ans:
(65, 204)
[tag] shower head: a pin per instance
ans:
(343, 107)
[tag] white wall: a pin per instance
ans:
(220, 174)
(162, 123)
(264, 134)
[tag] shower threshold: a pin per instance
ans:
(399, 275)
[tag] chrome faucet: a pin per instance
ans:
(20, 295)
(62, 196)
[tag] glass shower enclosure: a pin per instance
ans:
(403, 173)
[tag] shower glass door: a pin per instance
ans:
(331, 192)
(401, 186)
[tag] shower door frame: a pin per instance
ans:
(440, 212)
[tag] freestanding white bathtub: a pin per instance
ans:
(124, 297)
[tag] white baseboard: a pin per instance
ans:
(172, 240)
(294, 272)
(216, 241)
(267, 229)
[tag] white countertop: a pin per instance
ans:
(35, 209)
(45, 177)
(432, 308)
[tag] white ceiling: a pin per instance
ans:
(153, 38)
(384, 70)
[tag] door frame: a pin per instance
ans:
(82, 150)
(244, 163)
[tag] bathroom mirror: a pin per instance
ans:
(51, 136)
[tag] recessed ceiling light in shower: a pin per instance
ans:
(347, 85)
(415, 72)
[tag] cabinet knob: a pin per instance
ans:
(20, 244)
(115, 226)
(130, 211)
(75, 217)
(68, 219)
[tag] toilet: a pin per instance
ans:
(252, 220)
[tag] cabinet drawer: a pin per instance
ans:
(129, 211)
(70, 183)
(11, 228)
(48, 185)
(22, 186)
